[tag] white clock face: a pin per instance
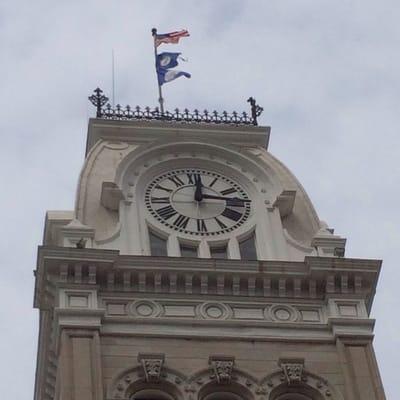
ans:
(197, 202)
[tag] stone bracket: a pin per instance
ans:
(222, 367)
(285, 202)
(152, 364)
(111, 195)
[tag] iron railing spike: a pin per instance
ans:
(105, 110)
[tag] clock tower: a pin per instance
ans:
(195, 267)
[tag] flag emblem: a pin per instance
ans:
(167, 75)
(167, 60)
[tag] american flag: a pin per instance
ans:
(171, 37)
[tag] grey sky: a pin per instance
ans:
(326, 73)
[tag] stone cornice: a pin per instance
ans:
(315, 278)
(320, 264)
(146, 131)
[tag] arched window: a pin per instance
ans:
(293, 396)
(151, 394)
(188, 250)
(228, 391)
(297, 392)
(158, 245)
(247, 248)
(223, 395)
(220, 251)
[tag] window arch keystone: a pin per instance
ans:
(222, 367)
(292, 369)
(152, 365)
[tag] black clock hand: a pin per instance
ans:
(198, 194)
(231, 199)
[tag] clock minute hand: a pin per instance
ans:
(232, 199)
(198, 194)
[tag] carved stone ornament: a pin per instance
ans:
(222, 366)
(152, 366)
(293, 370)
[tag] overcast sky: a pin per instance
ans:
(326, 73)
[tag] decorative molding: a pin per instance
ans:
(223, 372)
(152, 364)
(320, 276)
(279, 380)
(214, 310)
(77, 299)
(293, 369)
(144, 309)
(116, 145)
(222, 367)
(283, 313)
(229, 311)
(130, 380)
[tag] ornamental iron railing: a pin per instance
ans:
(105, 111)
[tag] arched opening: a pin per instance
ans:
(247, 247)
(223, 395)
(297, 392)
(228, 391)
(161, 390)
(151, 394)
(158, 244)
(293, 396)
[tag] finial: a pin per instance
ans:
(98, 100)
(256, 110)
(154, 31)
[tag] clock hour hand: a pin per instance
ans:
(198, 194)
(230, 199)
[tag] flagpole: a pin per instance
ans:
(160, 99)
(113, 77)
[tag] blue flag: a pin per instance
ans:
(167, 60)
(167, 75)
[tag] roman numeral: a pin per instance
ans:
(213, 182)
(166, 212)
(181, 221)
(159, 200)
(163, 188)
(201, 225)
(235, 202)
(220, 223)
(228, 191)
(178, 181)
(231, 214)
(193, 178)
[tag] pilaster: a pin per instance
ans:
(360, 370)
(80, 375)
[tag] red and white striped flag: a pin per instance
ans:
(171, 37)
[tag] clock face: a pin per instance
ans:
(197, 202)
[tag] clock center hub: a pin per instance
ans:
(183, 201)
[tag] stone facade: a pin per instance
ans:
(119, 323)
